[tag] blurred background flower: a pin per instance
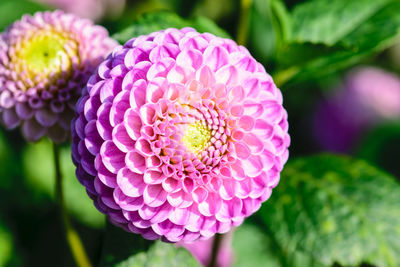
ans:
(202, 250)
(369, 96)
(45, 61)
(91, 9)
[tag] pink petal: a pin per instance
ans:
(255, 144)
(129, 81)
(137, 96)
(154, 92)
(143, 147)
(132, 123)
(170, 184)
(92, 138)
(263, 129)
(105, 176)
(154, 195)
(211, 205)
(168, 229)
(180, 216)
(121, 138)
(112, 157)
(227, 75)
(163, 51)
(130, 183)
(272, 112)
(246, 123)
(179, 199)
(148, 114)
(253, 166)
(205, 76)
(118, 108)
(46, 118)
(192, 58)
(250, 206)
(176, 75)
(32, 130)
(103, 122)
(162, 214)
(242, 151)
(135, 162)
(12, 120)
(215, 57)
(199, 194)
(227, 189)
(153, 177)
(160, 68)
(127, 203)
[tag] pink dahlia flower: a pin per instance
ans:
(180, 135)
(45, 61)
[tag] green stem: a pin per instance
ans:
(74, 242)
(283, 76)
(244, 20)
(215, 249)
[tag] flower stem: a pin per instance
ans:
(244, 20)
(283, 76)
(215, 249)
(74, 242)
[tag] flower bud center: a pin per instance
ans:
(46, 53)
(196, 137)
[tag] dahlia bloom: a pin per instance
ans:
(179, 135)
(45, 61)
(368, 96)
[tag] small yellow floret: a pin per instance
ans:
(196, 137)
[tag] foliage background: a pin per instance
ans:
(328, 210)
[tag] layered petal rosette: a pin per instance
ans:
(180, 135)
(45, 61)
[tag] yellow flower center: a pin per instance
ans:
(196, 137)
(47, 52)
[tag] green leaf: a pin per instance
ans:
(248, 239)
(8, 165)
(252, 239)
(328, 21)
(156, 21)
(39, 172)
(381, 145)
(12, 10)
(378, 33)
(269, 28)
(125, 249)
(8, 253)
(203, 24)
(6, 245)
(263, 33)
(337, 210)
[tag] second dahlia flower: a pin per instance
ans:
(91, 9)
(180, 135)
(45, 61)
(368, 97)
